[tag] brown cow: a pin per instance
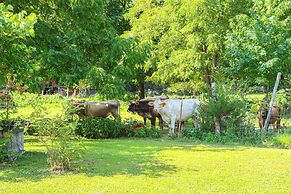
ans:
(275, 116)
(97, 109)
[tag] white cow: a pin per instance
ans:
(170, 110)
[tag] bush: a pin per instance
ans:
(4, 153)
(229, 108)
(98, 128)
(102, 128)
(57, 134)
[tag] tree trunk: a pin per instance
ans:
(140, 85)
(217, 125)
(213, 69)
(266, 90)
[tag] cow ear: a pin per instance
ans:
(163, 104)
(151, 103)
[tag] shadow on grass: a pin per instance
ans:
(131, 157)
(31, 166)
(127, 157)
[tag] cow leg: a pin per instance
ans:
(172, 125)
(182, 125)
(115, 115)
(161, 123)
(153, 122)
(260, 124)
(145, 121)
(278, 126)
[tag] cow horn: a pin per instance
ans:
(151, 103)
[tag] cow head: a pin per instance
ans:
(157, 104)
(132, 106)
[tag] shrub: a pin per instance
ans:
(102, 128)
(57, 135)
(229, 108)
(98, 128)
(146, 132)
(4, 153)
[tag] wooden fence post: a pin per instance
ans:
(271, 103)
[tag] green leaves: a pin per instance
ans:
(184, 35)
(258, 44)
(15, 54)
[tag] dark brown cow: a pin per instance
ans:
(275, 116)
(97, 109)
(142, 108)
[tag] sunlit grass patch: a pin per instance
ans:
(153, 166)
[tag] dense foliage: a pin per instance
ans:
(186, 37)
(15, 62)
(106, 45)
(258, 43)
(104, 128)
(98, 128)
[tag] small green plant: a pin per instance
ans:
(279, 140)
(4, 153)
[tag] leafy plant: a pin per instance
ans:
(229, 107)
(57, 135)
(283, 141)
(4, 153)
(98, 128)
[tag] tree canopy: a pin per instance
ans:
(15, 63)
(186, 36)
(106, 44)
(258, 43)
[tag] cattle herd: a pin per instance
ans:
(166, 110)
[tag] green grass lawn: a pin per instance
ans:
(153, 166)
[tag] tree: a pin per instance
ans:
(258, 43)
(72, 39)
(15, 54)
(187, 36)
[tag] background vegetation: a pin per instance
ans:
(130, 49)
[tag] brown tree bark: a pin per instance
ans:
(213, 70)
(140, 84)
